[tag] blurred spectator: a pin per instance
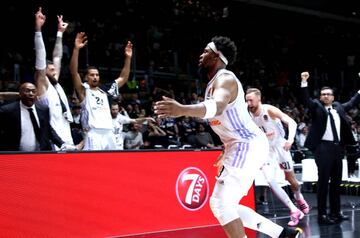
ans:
(203, 138)
(134, 138)
(119, 120)
(352, 151)
(187, 130)
(171, 129)
(301, 135)
(76, 127)
(155, 137)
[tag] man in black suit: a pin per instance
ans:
(17, 132)
(330, 131)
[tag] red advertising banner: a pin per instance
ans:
(106, 194)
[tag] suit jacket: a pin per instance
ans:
(319, 118)
(10, 128)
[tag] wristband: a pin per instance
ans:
(211, 108)
(59, 34)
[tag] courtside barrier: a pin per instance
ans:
(106, 194)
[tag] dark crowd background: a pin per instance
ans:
(276, 41)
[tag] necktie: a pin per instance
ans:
(35, 124)
(63, 107)
(333, 127)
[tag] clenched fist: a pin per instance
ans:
(304, 76)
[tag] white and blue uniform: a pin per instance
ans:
(59, 121)
(118, 124)
(97, 121)
(276, 140)
(246, 149)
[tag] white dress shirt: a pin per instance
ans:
(27, 141)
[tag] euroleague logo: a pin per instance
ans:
(192, 188)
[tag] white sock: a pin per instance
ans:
(282, 195)
(256, 222)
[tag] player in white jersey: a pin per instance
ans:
(118, 121)
(226, 110)
(270, 119)
(95, 108)
(47, 74)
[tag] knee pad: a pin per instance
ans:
(215, 206)
(224, 212)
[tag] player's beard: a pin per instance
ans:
(254, 109)
(52, 80)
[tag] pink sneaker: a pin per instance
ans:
(302, 204)
(295, 217)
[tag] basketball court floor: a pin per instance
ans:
(278, 213)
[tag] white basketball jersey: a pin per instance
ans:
(269, 125)
(235, 123)
(63, 97)
(58, 121)
(95, 109)
(118, 124)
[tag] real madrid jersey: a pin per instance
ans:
(95, 109)
(273, 127)
(235, 123)
(59, 122)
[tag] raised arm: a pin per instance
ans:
(41, 80)
(80, 42)
(125, 72)
(142, 119)
(354, 101)
(58, 48)
(305, 96)
(275, 112)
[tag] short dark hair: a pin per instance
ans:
(226, 46)
(90, 68)
(49, 62)
(327, 88)
(114, 103)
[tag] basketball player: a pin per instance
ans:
(225, 109)
(95, 109)
(269, 119)
(46, 78)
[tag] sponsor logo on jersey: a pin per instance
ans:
(192, 189)
(214, 122)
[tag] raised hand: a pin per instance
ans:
(61, 24)
(80, 40)
(39, 19)
(168, 107)
(129, 49)
(305, 75)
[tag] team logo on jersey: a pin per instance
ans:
(192, 189)
(266, 117)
